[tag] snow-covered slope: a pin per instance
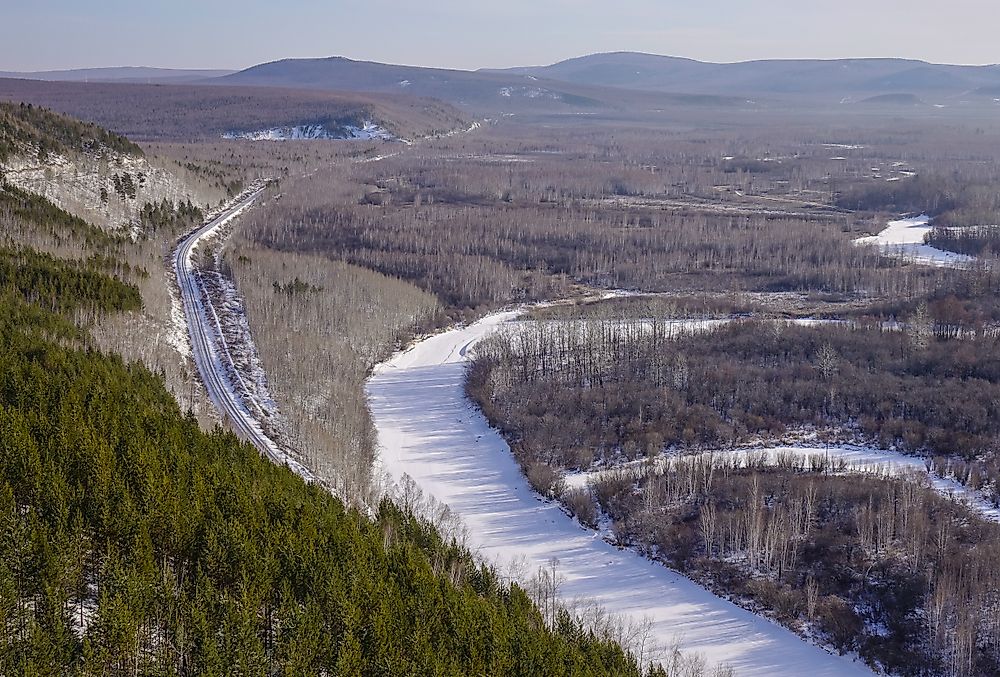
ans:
(428, 430)
(904, 238)
(86, 185)
(368, 131)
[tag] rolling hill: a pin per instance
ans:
(190, 112)
(481, 91)
(800, 77)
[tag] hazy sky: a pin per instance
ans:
(44, 34)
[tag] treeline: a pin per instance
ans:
(882, 567)
(319, 328)
(570, 394)
(478, 252)
(956, 200)
(929, 194)
(24, 125)
(885, 568)
(62, 287)
(131, 542)
(31, 222)
(166, 215)
(974, 241)
(29, 212)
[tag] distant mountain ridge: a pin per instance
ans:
(624, 81)
(869, 77)
(601, 80)
(134, 74)
(482, 90)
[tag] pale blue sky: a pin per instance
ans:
(46, 34)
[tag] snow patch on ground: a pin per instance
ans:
(247, 371)
(455, 132)
(529, 93)
(177, 335)
(904, 238)
(84, 611)
(428, 430)
(368, 131)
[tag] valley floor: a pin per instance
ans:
(429, 431)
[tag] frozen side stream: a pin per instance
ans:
(429, 430)
(856, 459)
(904, 238)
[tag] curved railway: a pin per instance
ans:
(208, 347)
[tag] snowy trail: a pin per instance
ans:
(429, 430)
(904, 239)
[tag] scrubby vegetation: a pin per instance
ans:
(320, 327)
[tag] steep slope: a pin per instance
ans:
(132, 542)
(96, 175)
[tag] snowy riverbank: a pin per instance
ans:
(428, 430)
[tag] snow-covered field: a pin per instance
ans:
(368, 131)
(904, 238)
(428, 430)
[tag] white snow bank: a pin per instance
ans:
(428, 430)
(855, 459)
(368, 131)
(904, 239)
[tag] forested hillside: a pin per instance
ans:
(131, 542)
(26, 125)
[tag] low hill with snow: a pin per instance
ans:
(196, 113)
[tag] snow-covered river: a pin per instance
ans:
(429, 430)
